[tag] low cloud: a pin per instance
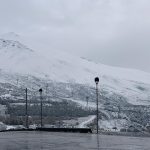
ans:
(114, 32)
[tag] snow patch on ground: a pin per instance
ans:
(108, 125)
(88, 120)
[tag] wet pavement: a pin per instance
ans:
(69, 141)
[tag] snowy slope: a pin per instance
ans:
(59, 66)
(88, 120)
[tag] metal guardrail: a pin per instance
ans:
(77, 130)
(72, 130)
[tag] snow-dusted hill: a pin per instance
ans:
(15, 57)
(68, 80)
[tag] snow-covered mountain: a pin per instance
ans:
(15, 57)
(67, 81)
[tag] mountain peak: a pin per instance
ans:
(10, 36)
(11, 44)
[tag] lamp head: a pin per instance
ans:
(40, 90)
(96, 80)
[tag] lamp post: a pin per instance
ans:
(27, 126)
(40, 91)
(97, 81)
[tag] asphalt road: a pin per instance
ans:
(69, 141)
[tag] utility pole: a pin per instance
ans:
(40, 91)
(87, 101)
(27, 126)
(97, 112)
(46, 92)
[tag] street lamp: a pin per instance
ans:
(97, 81)
(40, 91)
(27, 123)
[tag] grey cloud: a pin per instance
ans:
(114, 32)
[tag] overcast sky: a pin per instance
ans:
(113, 32)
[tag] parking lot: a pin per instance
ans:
(69, 141)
